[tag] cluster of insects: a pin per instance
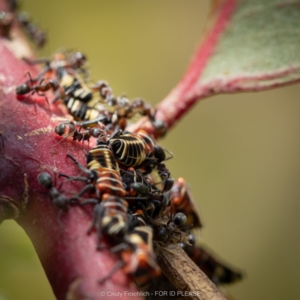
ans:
(135, 200)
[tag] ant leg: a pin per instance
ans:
(116, 133)
(30, 78)
(132, 224)
(73, 178)
(170, 153)
(151, 210)
(170, 236)
(80, 166)
(184, 228)
(21, 104)
(117, 267)
(101, 118)
(42, 73)
(171, 214)
(120, 247)
(97, 216)
(57, 97)
(88, 201)
(85, 189)
(142, 207)
(43, 95)
(65, 137)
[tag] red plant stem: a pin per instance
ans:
(67, 253)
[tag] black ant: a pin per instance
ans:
(58, 199)
(30, 87)
(40, 87)
(66, 130)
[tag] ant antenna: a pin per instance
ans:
(70, 134)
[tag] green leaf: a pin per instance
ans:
(251, 45)
(260, 47)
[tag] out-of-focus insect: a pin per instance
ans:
(58, 199)
(5, 23)
(71, 61)
(124, 109)
(13, 5)
(105, 92)
(76, 96)
(182, 201)
(218, 272)
(69, 87)
(34, 32)
(110, 217)
(137, 256)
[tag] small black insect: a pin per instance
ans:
(66, 130)
(58, 199)
(171, 229)
(32, 87)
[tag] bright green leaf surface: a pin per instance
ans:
(262, 39)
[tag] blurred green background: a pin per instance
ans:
(239, 153)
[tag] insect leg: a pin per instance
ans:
(43, 95)
(120, 264)
(85, 189)
(80, 166)
(73, 178)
